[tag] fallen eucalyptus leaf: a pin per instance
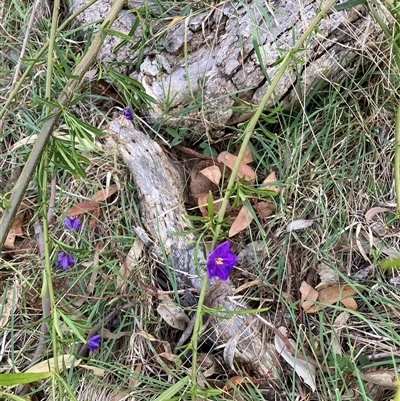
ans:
(299, 225)
(172, 313)
(304, 370)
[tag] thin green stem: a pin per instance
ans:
(196, 333)
(48, 282)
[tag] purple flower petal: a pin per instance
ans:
(72, 223)
(127, 113)
(220, 261)
(65, 260)
(94, 342)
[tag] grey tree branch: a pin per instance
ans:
(160, 193)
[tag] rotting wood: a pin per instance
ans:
(160, 195)
(198, 68)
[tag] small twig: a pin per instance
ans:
(186, 334)
(195, 154)
(50, 210)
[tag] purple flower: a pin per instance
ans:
(127, 113)
(221, 261)
(65, 260)
(72, 223)
(94, 342)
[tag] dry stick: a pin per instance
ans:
(26, 175)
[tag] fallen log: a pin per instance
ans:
(160, 189)
(209, 69)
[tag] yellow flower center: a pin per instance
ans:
(219, 261)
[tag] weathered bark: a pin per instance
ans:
(160, 192)
(206, 70)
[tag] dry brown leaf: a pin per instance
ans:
(308, 295)
(105, 193)
(338, 324)
(349, 303)
(265, 209)
(172, 313)
(244, 171)
(305, 370)
(64, 361)
(242, 221)
(341, 320)
(170, 357)
(202, 202)
(371, 213)
(236, 381)
(331, 295)
(17, 224)
(199, 183)
(299, 225)
(384, 378)
(10, 239)
(95, 218)
(271, 178)
(134, 254)
(11, 299)
(82, 207)
(213, 173)
(247, 156)
(96, 371)
(15, 229)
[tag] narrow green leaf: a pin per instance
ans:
(210, 205)
(347, 5)
(386, 264)
(170, 392)
(12, 379)
(72, 326)
(12, 397)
